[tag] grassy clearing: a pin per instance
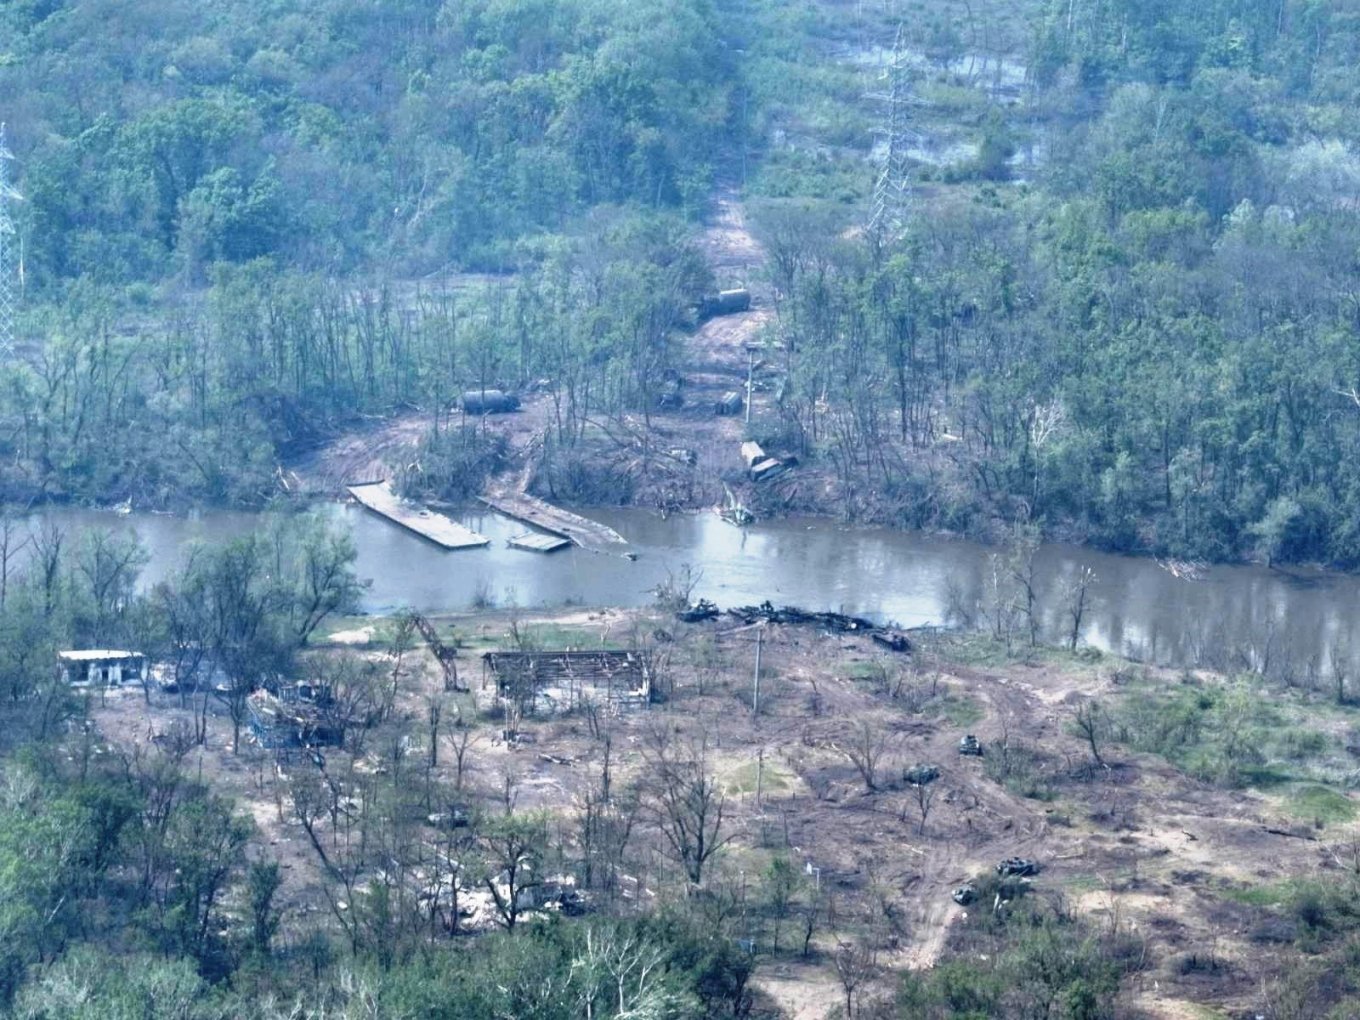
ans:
(1320, 803)
(959, 709)
(1235, 732)
(742, 779)
(1268, 894)
(983, 650)
(555, 635)
(1079, 884)
(1207, 1012)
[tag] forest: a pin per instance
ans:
(1128, 314)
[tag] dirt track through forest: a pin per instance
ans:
(714, 362)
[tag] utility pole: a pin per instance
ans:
(760, 775)
(750, 379)
(11, 265)
(755, 683)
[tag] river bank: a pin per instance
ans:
(1295, 625)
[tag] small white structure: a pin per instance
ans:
(101, 667)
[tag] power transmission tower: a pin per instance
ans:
(10, 265)
(892, 189)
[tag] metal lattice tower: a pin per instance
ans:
(892, 189)
(9, 253)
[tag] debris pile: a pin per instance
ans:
(838, 623)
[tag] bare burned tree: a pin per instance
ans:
(512, 848)
(1020, 562)
(354, 704)
(686, 803)
(186, 633)
(313, 799)
(1340, 656)
(461, 744)
(855, 966)
(677, 590)
(924, 795)
(434, 712)
(808, 916)
(447, 871)
(866, 747)
(1089, 723)
(606, 825)
(11, 545)
(1078, 600)
(403, 640)
(48, 542)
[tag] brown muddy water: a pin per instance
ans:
(1231, 617)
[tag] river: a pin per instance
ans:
(1231, 617)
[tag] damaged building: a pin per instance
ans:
(554, 682)
(101, 667)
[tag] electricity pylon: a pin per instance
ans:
(10, 265)
(892, 189)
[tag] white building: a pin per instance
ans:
(101, 667)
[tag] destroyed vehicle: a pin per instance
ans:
(894, 641)
(1017, 867)
(770, 467)
(969, 745)
(700, 611)
(456, 817)
(191, 684)
(670, 397)
(277, 724)
(964, 895)
(560, 893)
(303, 692)
(920, 775)
(730, 405)
(489, 402)
(725, 302)
(684, 456)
